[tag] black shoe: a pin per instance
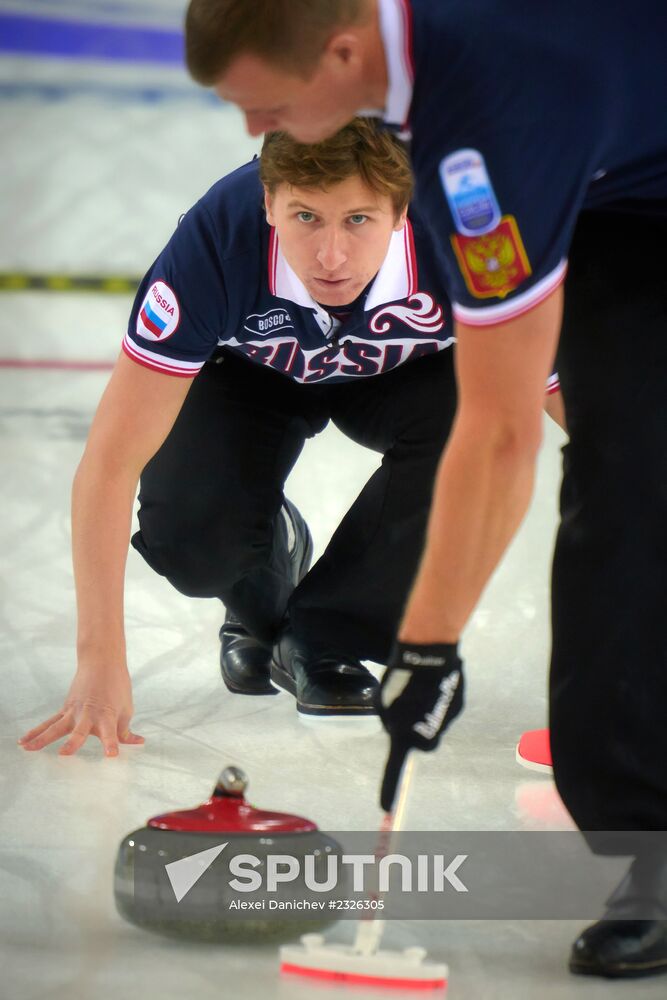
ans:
(322, 683)
(625, 944)
(244, 661)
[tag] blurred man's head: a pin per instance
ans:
(302, 66)
(335, 205)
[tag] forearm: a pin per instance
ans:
(483, 488)
(136, 413)
(102, 502)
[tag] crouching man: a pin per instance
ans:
(299, 290)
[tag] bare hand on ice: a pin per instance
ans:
(97, 705)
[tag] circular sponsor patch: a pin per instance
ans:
(159, 314)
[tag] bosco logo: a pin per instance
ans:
(159, 315)
(265, 324)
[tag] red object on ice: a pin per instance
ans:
(534, 750)
(357, 979)
(225, 813)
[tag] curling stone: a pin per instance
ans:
(179, 875)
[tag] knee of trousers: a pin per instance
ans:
(607, 741)
(205, 557)
(607, 795)
(418, 449)
(431, 426)
(616, 476)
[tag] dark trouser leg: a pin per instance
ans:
(609, 664)
(352, 599)
(211, 497)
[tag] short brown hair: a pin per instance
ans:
(291, 34)
(362, 148)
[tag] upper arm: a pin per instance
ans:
(136, 413)
(502, 369)
(180, 309)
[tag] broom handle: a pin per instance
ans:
(370, 930)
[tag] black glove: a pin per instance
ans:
(420, 694)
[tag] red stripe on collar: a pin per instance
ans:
(411, 258)
(273, 260)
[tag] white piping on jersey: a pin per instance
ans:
(395, 17)
(187, 369)
(396, 279)
(490, 315)
(553, 384)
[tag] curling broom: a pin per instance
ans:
(363, 963)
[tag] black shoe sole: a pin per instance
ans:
(269, 689)
(621, 971)
(283, 679)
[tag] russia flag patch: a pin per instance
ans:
(159, 315)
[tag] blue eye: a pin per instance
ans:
(305, 216)
(358, 220)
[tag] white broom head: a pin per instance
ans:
(316, 959)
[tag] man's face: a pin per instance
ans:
(273, 100)
(334, 240)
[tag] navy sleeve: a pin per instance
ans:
(180, 307)
(510, 133)
(505, 209)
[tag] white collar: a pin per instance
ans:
(396, 279)
(395, 28)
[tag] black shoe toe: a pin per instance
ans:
(323, 683)
(621, 949)
(337, 686)
(631, 940)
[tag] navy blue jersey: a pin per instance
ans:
(222, 281)
(522, 114)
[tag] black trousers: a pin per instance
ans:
(608, 688)
(210, 498)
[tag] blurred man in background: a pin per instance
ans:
(539, 137)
